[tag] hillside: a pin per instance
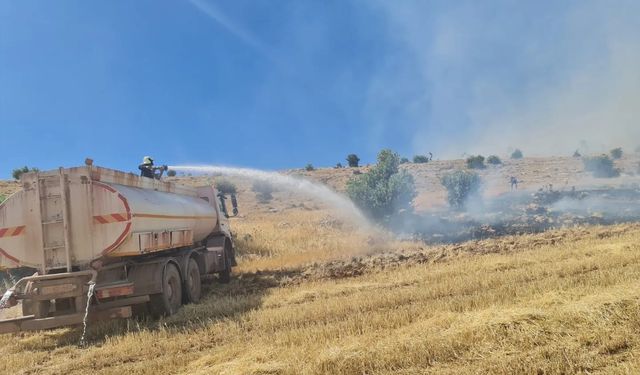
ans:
(533, 173)
(316, 294)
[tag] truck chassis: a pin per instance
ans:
(157, 284)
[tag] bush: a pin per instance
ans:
(419, 159)
(601, 166)
(16, 173)
(2, 198)
(309, 167)
(493, 159)
(226, 186)
(353, 160)
(517, 154)
(404, 160)
(385, 189)
(339, 166)
(263, 190)
(475, 162)
(171, 173)
(616, 153)
(577, 154)
(461, 186)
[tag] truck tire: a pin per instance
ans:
(193, 283)
(170, 300)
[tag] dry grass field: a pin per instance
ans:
(565, 301)
(315, 295)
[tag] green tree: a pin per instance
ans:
(475, 162)
(461, 186)
(616, 153)
(404, 160)
(384, 189)
(309, 167)
(493, 159)
(18, 172)
(517, 154)
(353, 160)
(263, 190)
(171, 173)
(601, 166)
(420, 159)
(225, 186)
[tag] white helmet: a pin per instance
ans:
(147, 160)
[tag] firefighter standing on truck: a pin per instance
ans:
(147, 169)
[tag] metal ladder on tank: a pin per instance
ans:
(53, 192)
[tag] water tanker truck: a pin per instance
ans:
(109, 243)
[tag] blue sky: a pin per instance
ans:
(278, 84)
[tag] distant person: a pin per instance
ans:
(430, 156)
(147, 169)
(514, 183)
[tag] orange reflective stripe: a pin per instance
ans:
(111, 218)
(12, 231)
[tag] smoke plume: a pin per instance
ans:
(487, 77)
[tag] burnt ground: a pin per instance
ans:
(524, 212)
(360, 265)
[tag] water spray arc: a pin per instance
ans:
(314, 190)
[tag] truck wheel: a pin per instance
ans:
(170, 300)
(193, 284)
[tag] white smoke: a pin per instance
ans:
(547, 79)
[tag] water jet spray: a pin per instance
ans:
(312, 189)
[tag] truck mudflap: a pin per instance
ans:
(57, 300)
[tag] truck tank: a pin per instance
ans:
(65, 219)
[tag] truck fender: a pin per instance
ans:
(229, 252)
(147, 277)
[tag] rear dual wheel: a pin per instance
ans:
(193, 283)
(169, 301)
